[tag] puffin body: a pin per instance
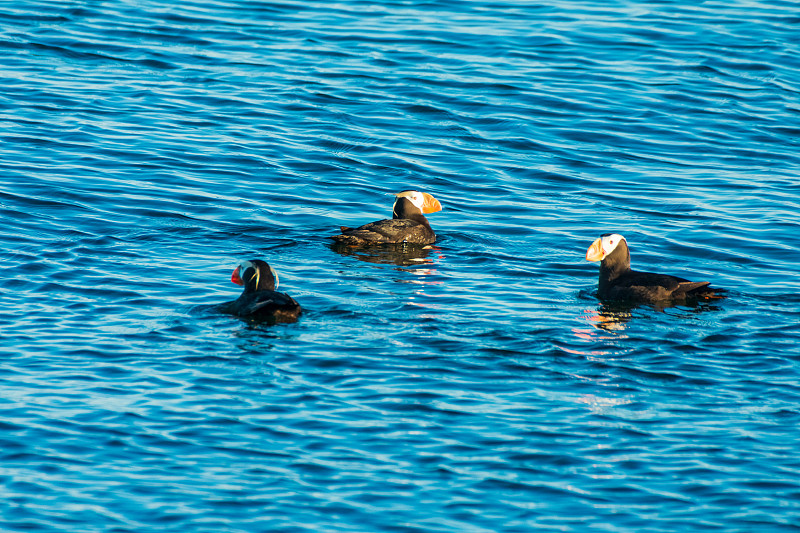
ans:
(259, 299)
(408, 224)
(618, 282)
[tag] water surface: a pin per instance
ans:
(478, 385)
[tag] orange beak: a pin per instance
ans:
(236, 278)
(431, 204)
(595, 251)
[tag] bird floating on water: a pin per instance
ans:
(618, 282)
(408, 224)
(259, 298)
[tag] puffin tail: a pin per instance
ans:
(701, 290)
(689, 286)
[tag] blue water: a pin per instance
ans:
(476, 386)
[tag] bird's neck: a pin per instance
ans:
(419, 218)
(610, 269)
(264, 284)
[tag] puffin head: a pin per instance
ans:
(421, 200)
(602, 247)
(255, 275)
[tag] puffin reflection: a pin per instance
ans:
(614, 316)
(611, 317)
(390, 254)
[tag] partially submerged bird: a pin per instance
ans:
(259, 299)
(408, 224)
(619, 282)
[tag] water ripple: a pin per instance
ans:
(477, 385)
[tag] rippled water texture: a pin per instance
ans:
(479, 385)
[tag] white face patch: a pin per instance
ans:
(610, 242)
(415, 196)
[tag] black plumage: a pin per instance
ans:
(408, 224)
(259, 299)
(619, 282)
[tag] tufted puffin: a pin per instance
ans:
(408, 224)
(259, 299)
(619, 282)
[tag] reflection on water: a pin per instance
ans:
(419, 262)
(611, 317)
(602, 404)
(392, 254)
(615, 316)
